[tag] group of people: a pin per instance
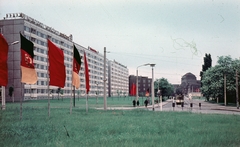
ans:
(134, 103)
(137, 102)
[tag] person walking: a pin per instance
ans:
(146, 103)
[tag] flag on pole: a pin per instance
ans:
(76, 67)
(29, 75)
(57, 72)
(147, 93)
(133, 90)
(86, 73)
(3, 61)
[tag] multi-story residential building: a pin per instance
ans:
(118, 79)
(38, 33)
(144, 84)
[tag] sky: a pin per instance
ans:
(173, 34)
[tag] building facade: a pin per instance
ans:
(189, 83)
(38, 33)
(144, 84)
(118, 79)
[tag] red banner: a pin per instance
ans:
(86, 73)
(3, 61)
(57, 72)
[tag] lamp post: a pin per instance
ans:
(152, 65)
(104, 80)
(137, 79)
(3, 87)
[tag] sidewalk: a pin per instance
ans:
(149, 107)
(206, 107)
(215, 106)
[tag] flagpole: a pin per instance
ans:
(48, 85)
(86, 102)
(21, 106)
(71, 104)
(74, 96)
(3, 98)
(71, 84)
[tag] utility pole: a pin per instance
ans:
(152, 90)
(237, 89)
(225, 91)
(137, 85)
(104, 80)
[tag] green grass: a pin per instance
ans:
(113, 127)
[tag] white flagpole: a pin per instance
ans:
(86, 101)
(48, 85)
(71, 102)
(72, 82)
(21, 104)
(3, 98)
(48, 97)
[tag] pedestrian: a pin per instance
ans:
(137, 102)
(134, 103)
(146, 102)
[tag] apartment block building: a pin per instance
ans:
(38, 33)
(118, 79)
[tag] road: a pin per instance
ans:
(198, 106)
(206, 107)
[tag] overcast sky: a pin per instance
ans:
(173, 34)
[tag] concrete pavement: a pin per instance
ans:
(206, 107)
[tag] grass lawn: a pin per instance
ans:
(98, 128)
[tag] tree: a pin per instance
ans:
(163, 85)
(213, 78)
(207, 64)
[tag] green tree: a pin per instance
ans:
(213, 78)
(207, 64)
(165, 87)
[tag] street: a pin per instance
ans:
(198, 106)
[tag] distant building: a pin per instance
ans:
(144, 84)
(118, 79)
(189, 83)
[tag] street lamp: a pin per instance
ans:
(104, 80)
(13, 43)
(137, 79)
(152, 65)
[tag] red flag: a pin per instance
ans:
(133, 90)
(76, 67)
(3, 61)
(29, 75)
(86, 73)
(57, 72)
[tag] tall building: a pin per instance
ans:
(118, 79)
(144, 84)
(38, 33)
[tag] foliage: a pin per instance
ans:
(163, 85)
(100, 128)
(207, 64)
(213, 78)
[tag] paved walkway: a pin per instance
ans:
(206, 107)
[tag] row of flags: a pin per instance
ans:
(56, 67)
